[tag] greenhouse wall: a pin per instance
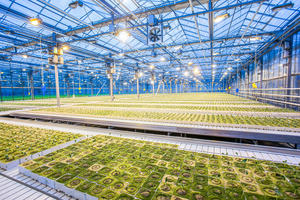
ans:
(19, 82)
(274, 77)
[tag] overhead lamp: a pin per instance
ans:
(121, 54)
(177, 47)
(141, 74)
(213, 65)
(216, 53)
(177, 68)
(221, 17)
(196, 70)
(225, 73)
(186, 73)
(125, 83)
(123, 35)
(190, 63)
(25, 56)
(162, 59)
(152, 82)
(35, 21)
(237, 59)
(255, 38)
(151, 66)
(282, 6)
(75, 4)
(229, 68)
(65, 47)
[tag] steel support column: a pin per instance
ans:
(137, 87)
(261, 74)
(288, 48)
(30, 74)
(111, 87)
(153, 88)
(57, 86)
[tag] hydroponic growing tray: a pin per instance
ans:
(104, 167)
(19, 143)
(277, 134)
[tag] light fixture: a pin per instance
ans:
(190, 63)
(75, 4)
(282, 6)
(152, 82)
(196, 70)
(125, 83)
(221, 17)
(141, 74)
(225, 73)
(186, 73)
(255, 38)
(216, 53)
(65, 47)
(237, 59)
(162, 59)
(229, 68)
(151, 66)
(24, 56)
(177, 47)
(35, 21)
(123, 35)
(177, 68)
(121, 54)
(213, 65)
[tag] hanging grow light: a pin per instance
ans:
(123, 35)
(221, 17)
(282, 6)
(35, 21)
(255, 38)
(75, 4)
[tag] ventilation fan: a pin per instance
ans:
(155, 34)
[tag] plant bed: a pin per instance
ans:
(19, 144)
(196, 175)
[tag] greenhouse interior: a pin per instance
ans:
(149, 99)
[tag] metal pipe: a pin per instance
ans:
(137, 87)
(57, 86)
(111, 87)
(153, 88)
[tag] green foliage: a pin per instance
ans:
(138, 172)
(19, 141)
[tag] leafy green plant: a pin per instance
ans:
(185, 175)
(19, 141)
